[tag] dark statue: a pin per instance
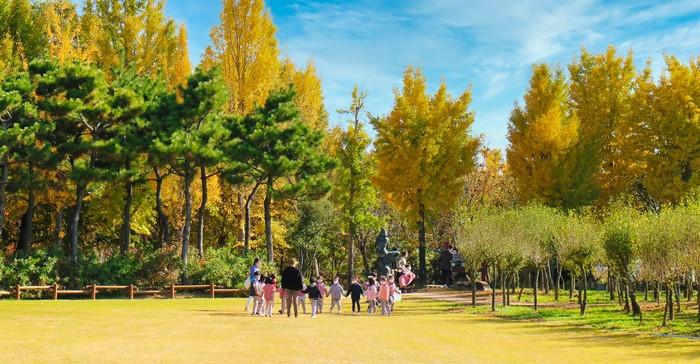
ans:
(386, 259)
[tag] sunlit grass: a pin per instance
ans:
(206, 330)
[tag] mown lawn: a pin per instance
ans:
(206, 330)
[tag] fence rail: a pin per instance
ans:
(130, 290)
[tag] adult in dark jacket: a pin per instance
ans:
(292, 284)
(446, 256)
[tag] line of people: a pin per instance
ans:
(292, 292)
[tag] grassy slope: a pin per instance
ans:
(422, 331)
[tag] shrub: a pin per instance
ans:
(37, 268)
(223, 266)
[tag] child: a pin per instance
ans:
(301, 299)
(251, 291)
(258, 305)
(283, 299)
(336, 293)
(322, 288)
(393, 291)
(371, 294)
(314, 296)
(384, 294)
(355, 292)
(269, 295)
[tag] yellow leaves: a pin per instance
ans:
(182, 68)
(673, 132)
(423, 147)
(309, 95)
(541, 134)
(62, 30)
(245, 45)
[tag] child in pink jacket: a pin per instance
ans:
(371, 294)
(385, 293)
(268, 293)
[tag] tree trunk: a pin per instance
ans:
(550, 281)
(268, 220)
(351, 250)
(80, 191)
(697, 296)
(4, 177)
(572, 284)
(636, 309)
(421, 246)
(162, 219)
(202, 211)
(556, 286)
(666, 307)
(25, 237)
(365, 259)
(611, 289)
(669, 298)
(626, 288)
(646, 291)
(678, 297)
(57, 228)
(473, 286)
(657, 293)
(126, 214)
(504, 288)
(584, 299)
(493, 289)
(534, 292)
(247, 222)
(188, 220)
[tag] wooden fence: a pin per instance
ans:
(130, 291)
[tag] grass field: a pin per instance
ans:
(421, 331)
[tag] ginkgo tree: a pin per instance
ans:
(424, 151)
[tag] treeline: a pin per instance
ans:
(607, 129)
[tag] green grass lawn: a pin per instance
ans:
(206, 330)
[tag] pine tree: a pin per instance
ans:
(278, 145)
(195, 140)
(540, 135)
(424, 151)
(86, 112)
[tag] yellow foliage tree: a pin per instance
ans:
(541, 133)
(245, 46)
(424, 152)
(673, 132)
(601, 89)
(309, 94)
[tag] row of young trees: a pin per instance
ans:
(635, 249)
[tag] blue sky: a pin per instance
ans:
(489, 46)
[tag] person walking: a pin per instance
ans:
(446, 256)
(292, 283)
(251, 280)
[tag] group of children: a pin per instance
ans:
(383, 293)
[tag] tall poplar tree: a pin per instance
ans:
(245, 46)
(424, 152)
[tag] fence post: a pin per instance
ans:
(18, 292)
(55, 291)
(213, 292)
(172, 291)
(131, 291)
(94, 291)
